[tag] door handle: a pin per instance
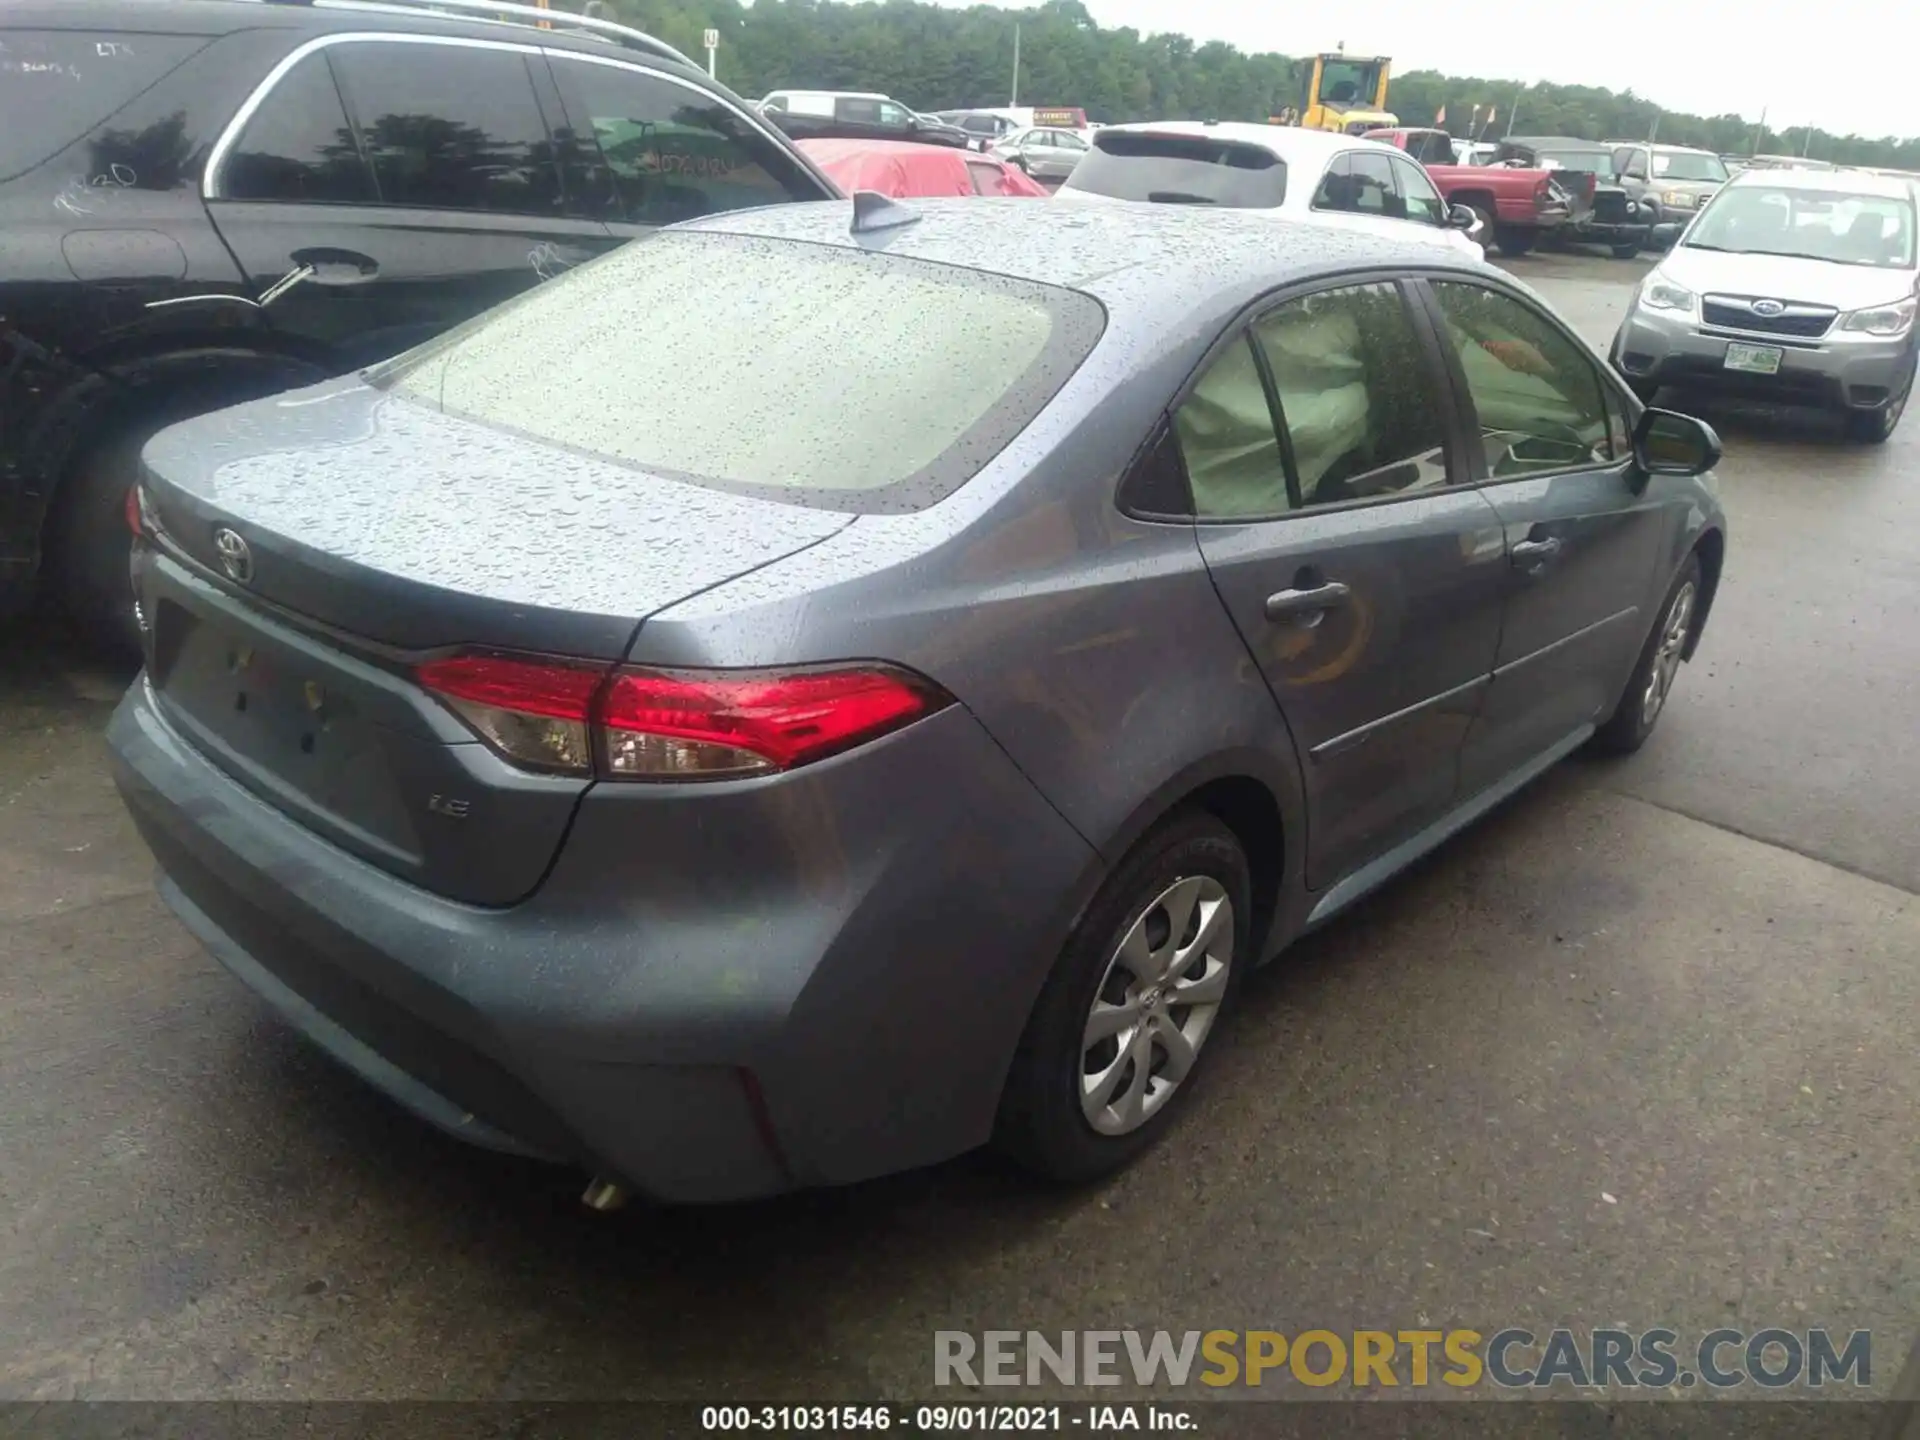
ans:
(1532, 554)
(1314, 600)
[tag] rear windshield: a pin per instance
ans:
(1598, 162)
(839, 378)
(1182, 170)
(57, 85)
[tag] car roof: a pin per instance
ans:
(1670, 149)
(1289, 142)
(1151, 266)
(1858, 182)
(1534, 142)
(225, 17)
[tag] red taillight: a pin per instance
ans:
(133, 511)
(535, 712)
(680, 724)
(675, 725)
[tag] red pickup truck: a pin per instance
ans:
(1517, 206)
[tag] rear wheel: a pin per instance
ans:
(1514, 240)
(1626, 250)
(1645, 698)
(1488, 225)
(1142, 984)
(88, 543)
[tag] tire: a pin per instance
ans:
(1627, 251)
(1488, 225)
(88, 545)
(1637, 711)
(1514, 242)
(1046, 1122)
(1876, 427)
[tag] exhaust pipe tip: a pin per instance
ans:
(605, 1195)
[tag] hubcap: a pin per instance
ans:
(1155, 1004)
(1666, 656)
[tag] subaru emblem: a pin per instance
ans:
(1768, 307)
(235, 558)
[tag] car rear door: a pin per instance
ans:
(1321, 452)
(380, 188)
(1583, 531)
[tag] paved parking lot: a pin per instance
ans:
(1638, 1051)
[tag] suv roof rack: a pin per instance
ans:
(509, 12)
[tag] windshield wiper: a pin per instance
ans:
(1178, 197)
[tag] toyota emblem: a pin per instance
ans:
(1768, 307)
(235, 558)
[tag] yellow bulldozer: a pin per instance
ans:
(1344, 93)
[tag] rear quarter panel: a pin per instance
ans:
(1090, 644)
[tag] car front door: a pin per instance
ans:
(1365, 584)
(646, 149)
(1584, 531)
(1036, 154)
(1420, 202)
(1068, 149)
(387, 187)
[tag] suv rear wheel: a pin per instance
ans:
(87, 546)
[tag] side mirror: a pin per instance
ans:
(1666, 442)
(1462, 217)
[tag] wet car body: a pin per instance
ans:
(722, 989)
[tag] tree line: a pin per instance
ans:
(936, 58)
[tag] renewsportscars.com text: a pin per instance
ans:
(1512, 1358)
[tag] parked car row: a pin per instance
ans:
(626, 727)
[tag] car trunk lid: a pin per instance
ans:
(306, 565)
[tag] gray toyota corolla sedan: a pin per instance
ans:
(799, 697)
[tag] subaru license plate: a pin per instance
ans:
(1754, 359)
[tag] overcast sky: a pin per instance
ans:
(1702, 56)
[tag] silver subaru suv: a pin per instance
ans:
(1797, 286)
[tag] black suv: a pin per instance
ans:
(205, 201)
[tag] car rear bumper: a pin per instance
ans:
(1838, 374)
(826, 982)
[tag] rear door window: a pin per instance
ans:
(298, 147)
(1181, 170)
(1374, 192)
(59, 85)
(1357, 403)
(450, 127)
(661, 152)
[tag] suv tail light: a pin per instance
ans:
(639, 724)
